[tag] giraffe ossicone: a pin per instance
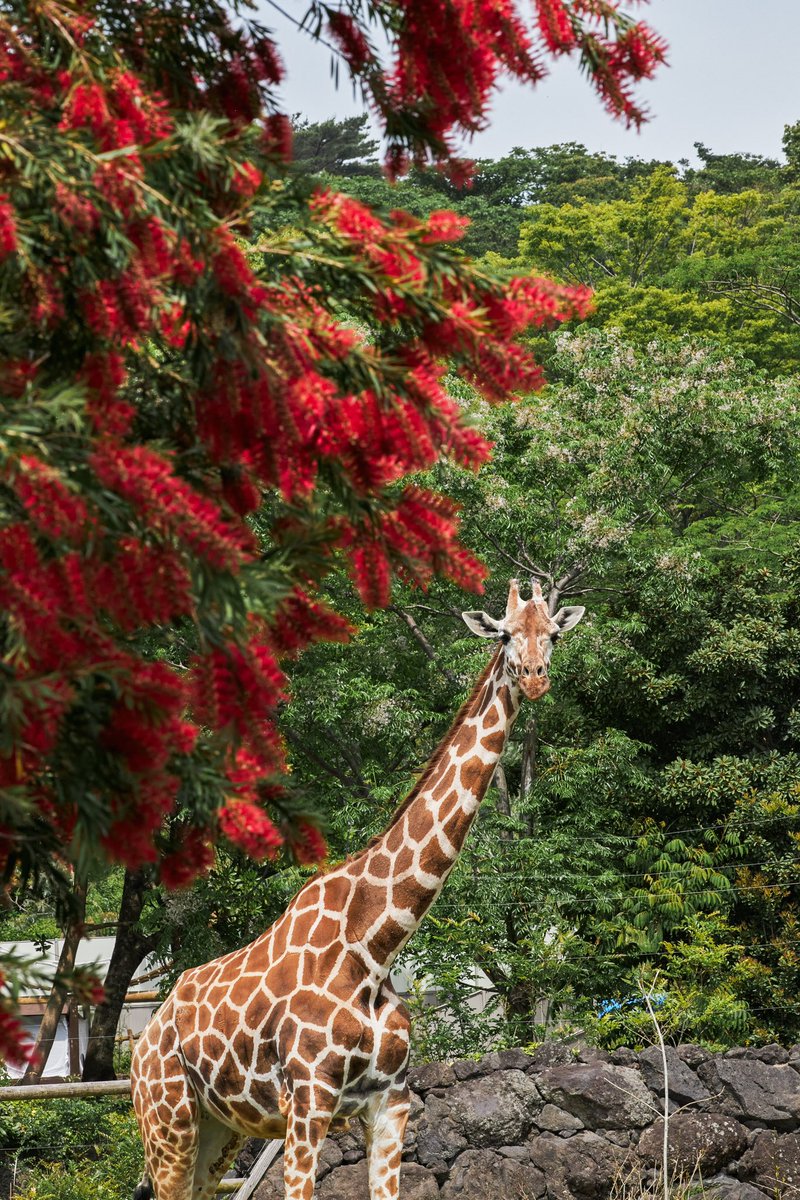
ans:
(303, 1027)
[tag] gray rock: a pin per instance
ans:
(496, 1110)
(601, 1095)
(520, 1153)
(684, 1086)
(697, 1140)
(580, 1166)
(623, 1057)
(692, 1055)
(773, 1054)
(431, 1075)
(591, 1054)
(557, 1120)
(773, 1163)
(438, 1137)
(551, 1054)
(722, 1187)
(755, 1092)
(482, 1175)
(514, 1060)
(468, 1068)
(330, 1156)
(351, 1183)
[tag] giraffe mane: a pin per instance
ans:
(466, 710)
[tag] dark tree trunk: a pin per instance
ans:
(130, 948)
(60, 989)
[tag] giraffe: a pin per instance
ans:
(302, 1028)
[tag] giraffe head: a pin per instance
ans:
(527, 634)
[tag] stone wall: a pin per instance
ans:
(553, 1126)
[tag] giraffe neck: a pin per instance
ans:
(403, 871)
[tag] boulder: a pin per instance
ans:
(684, 1086)
(581, 1166)
(773, 1163)
(754, 1091)
(496, 1110)
(431, 1075)
(773, 1054)
(483, 1175)
(692, 1055)
(352, 1183)
(438, 1138)
(600, 1094)
(551, 1054)
(697, 1140)
(722, 1187)
(556, 1120)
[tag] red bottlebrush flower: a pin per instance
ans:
(130, 838)
(267, 61)
(194, 857)
(15, 375)
(277, 138)
(247, 179)
(15, 1044)
(76, 211)
(152, 244)
(371, 574)
(240, 491)
(54, 508)
(249, 828)
(231, 269)
(354, 220)
(47, 304)
(445, 226)
(8, 228)
(301, 620)
(105, 374)
(350, 40)
(555, 26)
(145, 113)
(147, 481)
(85, 986)
(308, 844)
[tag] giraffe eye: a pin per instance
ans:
(505, 637)
(554, 637)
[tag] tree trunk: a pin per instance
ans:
(130, 948)
(58, 993)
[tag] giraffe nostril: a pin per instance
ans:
(540, 669)
(526, 670)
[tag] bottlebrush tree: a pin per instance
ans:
(191, 432)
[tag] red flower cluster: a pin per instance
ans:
(194, 856)
(308, 845)
(249, 828)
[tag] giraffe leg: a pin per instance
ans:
(384, 1128)
(307, 1124)
(167, 1112)
(217, 1147)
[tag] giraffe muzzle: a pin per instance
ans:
(534, 681)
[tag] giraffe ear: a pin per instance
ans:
(482, 624)
(567, 618)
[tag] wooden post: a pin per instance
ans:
(260, 1167)
(45, 1091)
(73, 1037)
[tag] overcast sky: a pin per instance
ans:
(732, 83)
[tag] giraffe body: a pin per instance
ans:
(302, 1027)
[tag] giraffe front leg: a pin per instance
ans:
(384, 1129)
(307, 1122)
